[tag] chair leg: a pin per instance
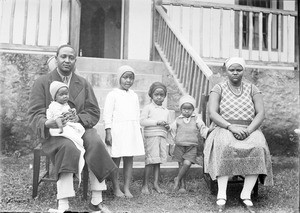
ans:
(255, 190)
(36, 172)
(85, 181)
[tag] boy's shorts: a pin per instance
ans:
(182, 153)
(155, 150)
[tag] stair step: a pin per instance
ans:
(112, 65)
(102, 93)
(105, 80)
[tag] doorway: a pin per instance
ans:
(100, 29)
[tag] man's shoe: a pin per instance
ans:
(99, 208)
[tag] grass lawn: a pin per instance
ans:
(16, 189)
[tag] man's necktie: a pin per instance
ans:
(65, 80)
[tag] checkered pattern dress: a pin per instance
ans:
(224, 155)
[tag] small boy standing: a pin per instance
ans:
(155, 119)
(185, 131)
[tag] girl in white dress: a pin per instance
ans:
(122, 128)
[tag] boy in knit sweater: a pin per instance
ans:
(155, 119)
(185, 132)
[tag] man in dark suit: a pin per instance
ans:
(61, 150)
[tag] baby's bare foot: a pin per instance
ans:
(119, 193)
(145, 190)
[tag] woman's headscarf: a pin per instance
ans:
(122, 70)
(235, 60)
(156, 85)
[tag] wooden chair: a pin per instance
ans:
(212, 184)
(36, 180)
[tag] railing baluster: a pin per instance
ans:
(188, 71)
(210, 32)
(191, 76)
(288, 38)
(181, 19)
(198, 82)
(269, 35)
(173, 53)
(196, 73)
(186, 60)
(221, 33)
(250, 34)
(37, 24)
(240, 33)
(50, 23)
(191, 26)
(11, 26)
(181, 65)
(280, 31)
(25, 22)
(231, 39)
(260, 35)
(201, 32)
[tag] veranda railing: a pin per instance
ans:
(39, 25)
(190, 72)
(223, 30)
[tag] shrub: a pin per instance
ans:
(18, 72)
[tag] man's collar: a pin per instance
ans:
(69, 76)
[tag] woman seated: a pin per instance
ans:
(237, 146)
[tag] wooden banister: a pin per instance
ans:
(183, 62)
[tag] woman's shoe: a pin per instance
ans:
(221, 208)
(250, 208)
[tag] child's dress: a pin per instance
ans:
(122, 115)
(72, 131)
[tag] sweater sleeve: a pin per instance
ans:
(173, 129)
(202, 127)
(145, 120)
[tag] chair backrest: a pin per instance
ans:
(204, 111)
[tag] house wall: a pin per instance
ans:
(140, 27)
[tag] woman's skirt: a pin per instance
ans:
(224, 155)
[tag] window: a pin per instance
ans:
(272, 4)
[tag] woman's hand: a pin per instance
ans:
(239, 132)
(108, 138)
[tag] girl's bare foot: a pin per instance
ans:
(118, 193)
(182, 190)
(145, 190)
(127, 193)
(176, 184)
(158, 189)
